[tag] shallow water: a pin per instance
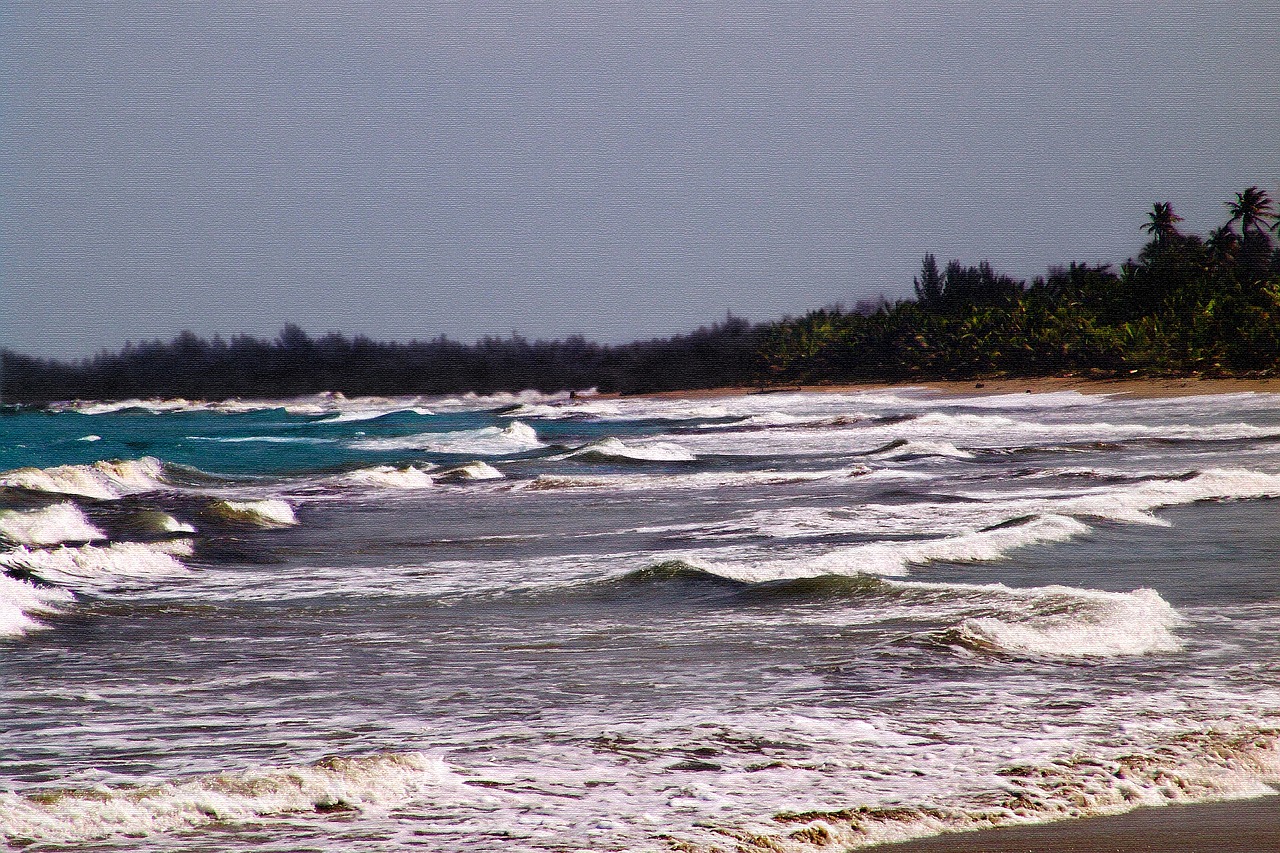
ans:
(535, 623)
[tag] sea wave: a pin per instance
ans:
(471, 471)
(615, 450)
(267, 512)
(408, 477)
(22, 602)
(70, 815)
(1067, 622)
(51, 525)
(94, 566)
(516, 437)
(889, 558)
(697, 480)
(104, 480)
(906, 449)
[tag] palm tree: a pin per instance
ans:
(1223, 241)
(1252, 208)
(1164, 222)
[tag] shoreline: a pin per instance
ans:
(1230, 826)
(1145, 388)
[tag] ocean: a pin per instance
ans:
(533, 622)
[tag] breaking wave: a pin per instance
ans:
(106, 480)
(889, 558)
(1067, 622)
(699, 480)
(94, 566)
(409, 477)
(614, 450)
(51, 525)
(516, 437)
(21, 602)
(905, 449)
(69, 815)
(470, 471)
(270, 512)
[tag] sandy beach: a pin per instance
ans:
(1238, 826)
(1135, 388)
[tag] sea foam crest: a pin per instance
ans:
(905, 448)
(1068, 622)
(268, 512)
(888, 558)
(516, 437)
(99, 566)
(63, 522)
(615, 450)
(471, 471)
(697, 480)
(105, 480)
(409, 477)
(21, 602)
(1134, 503)
(335, 784)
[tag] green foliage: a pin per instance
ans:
(1184, 305)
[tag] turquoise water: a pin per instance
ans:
(536, 623)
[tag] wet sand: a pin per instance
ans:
(1133, 388)
(1239, 826)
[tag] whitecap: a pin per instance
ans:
(883, 558)
(67, 816)
(410, 477)
(516, 437)
(270, 512)
(93, 565)
(471, 471)
(105, 480)
(1065, 622)
(63, 522)
(614, 449)
(22, 602)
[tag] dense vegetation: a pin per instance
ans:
(189, 366)
(1185, 305)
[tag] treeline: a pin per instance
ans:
(724, 353)
(1186, 305)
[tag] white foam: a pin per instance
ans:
(94, 566)
(407, 478)
(516, 437)
(105, 480)
(67, 816)
(160, 522)
(615, 449)
(1065, 622)
(51, 525)
(883, 558)
(471, 471)
(899, 450)
(21, 602)
(374, 414)
(697, 480)
(268, 512)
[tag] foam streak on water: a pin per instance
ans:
(538, 622)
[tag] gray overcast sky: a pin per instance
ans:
(405, 169)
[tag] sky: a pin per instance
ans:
(615, 170)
